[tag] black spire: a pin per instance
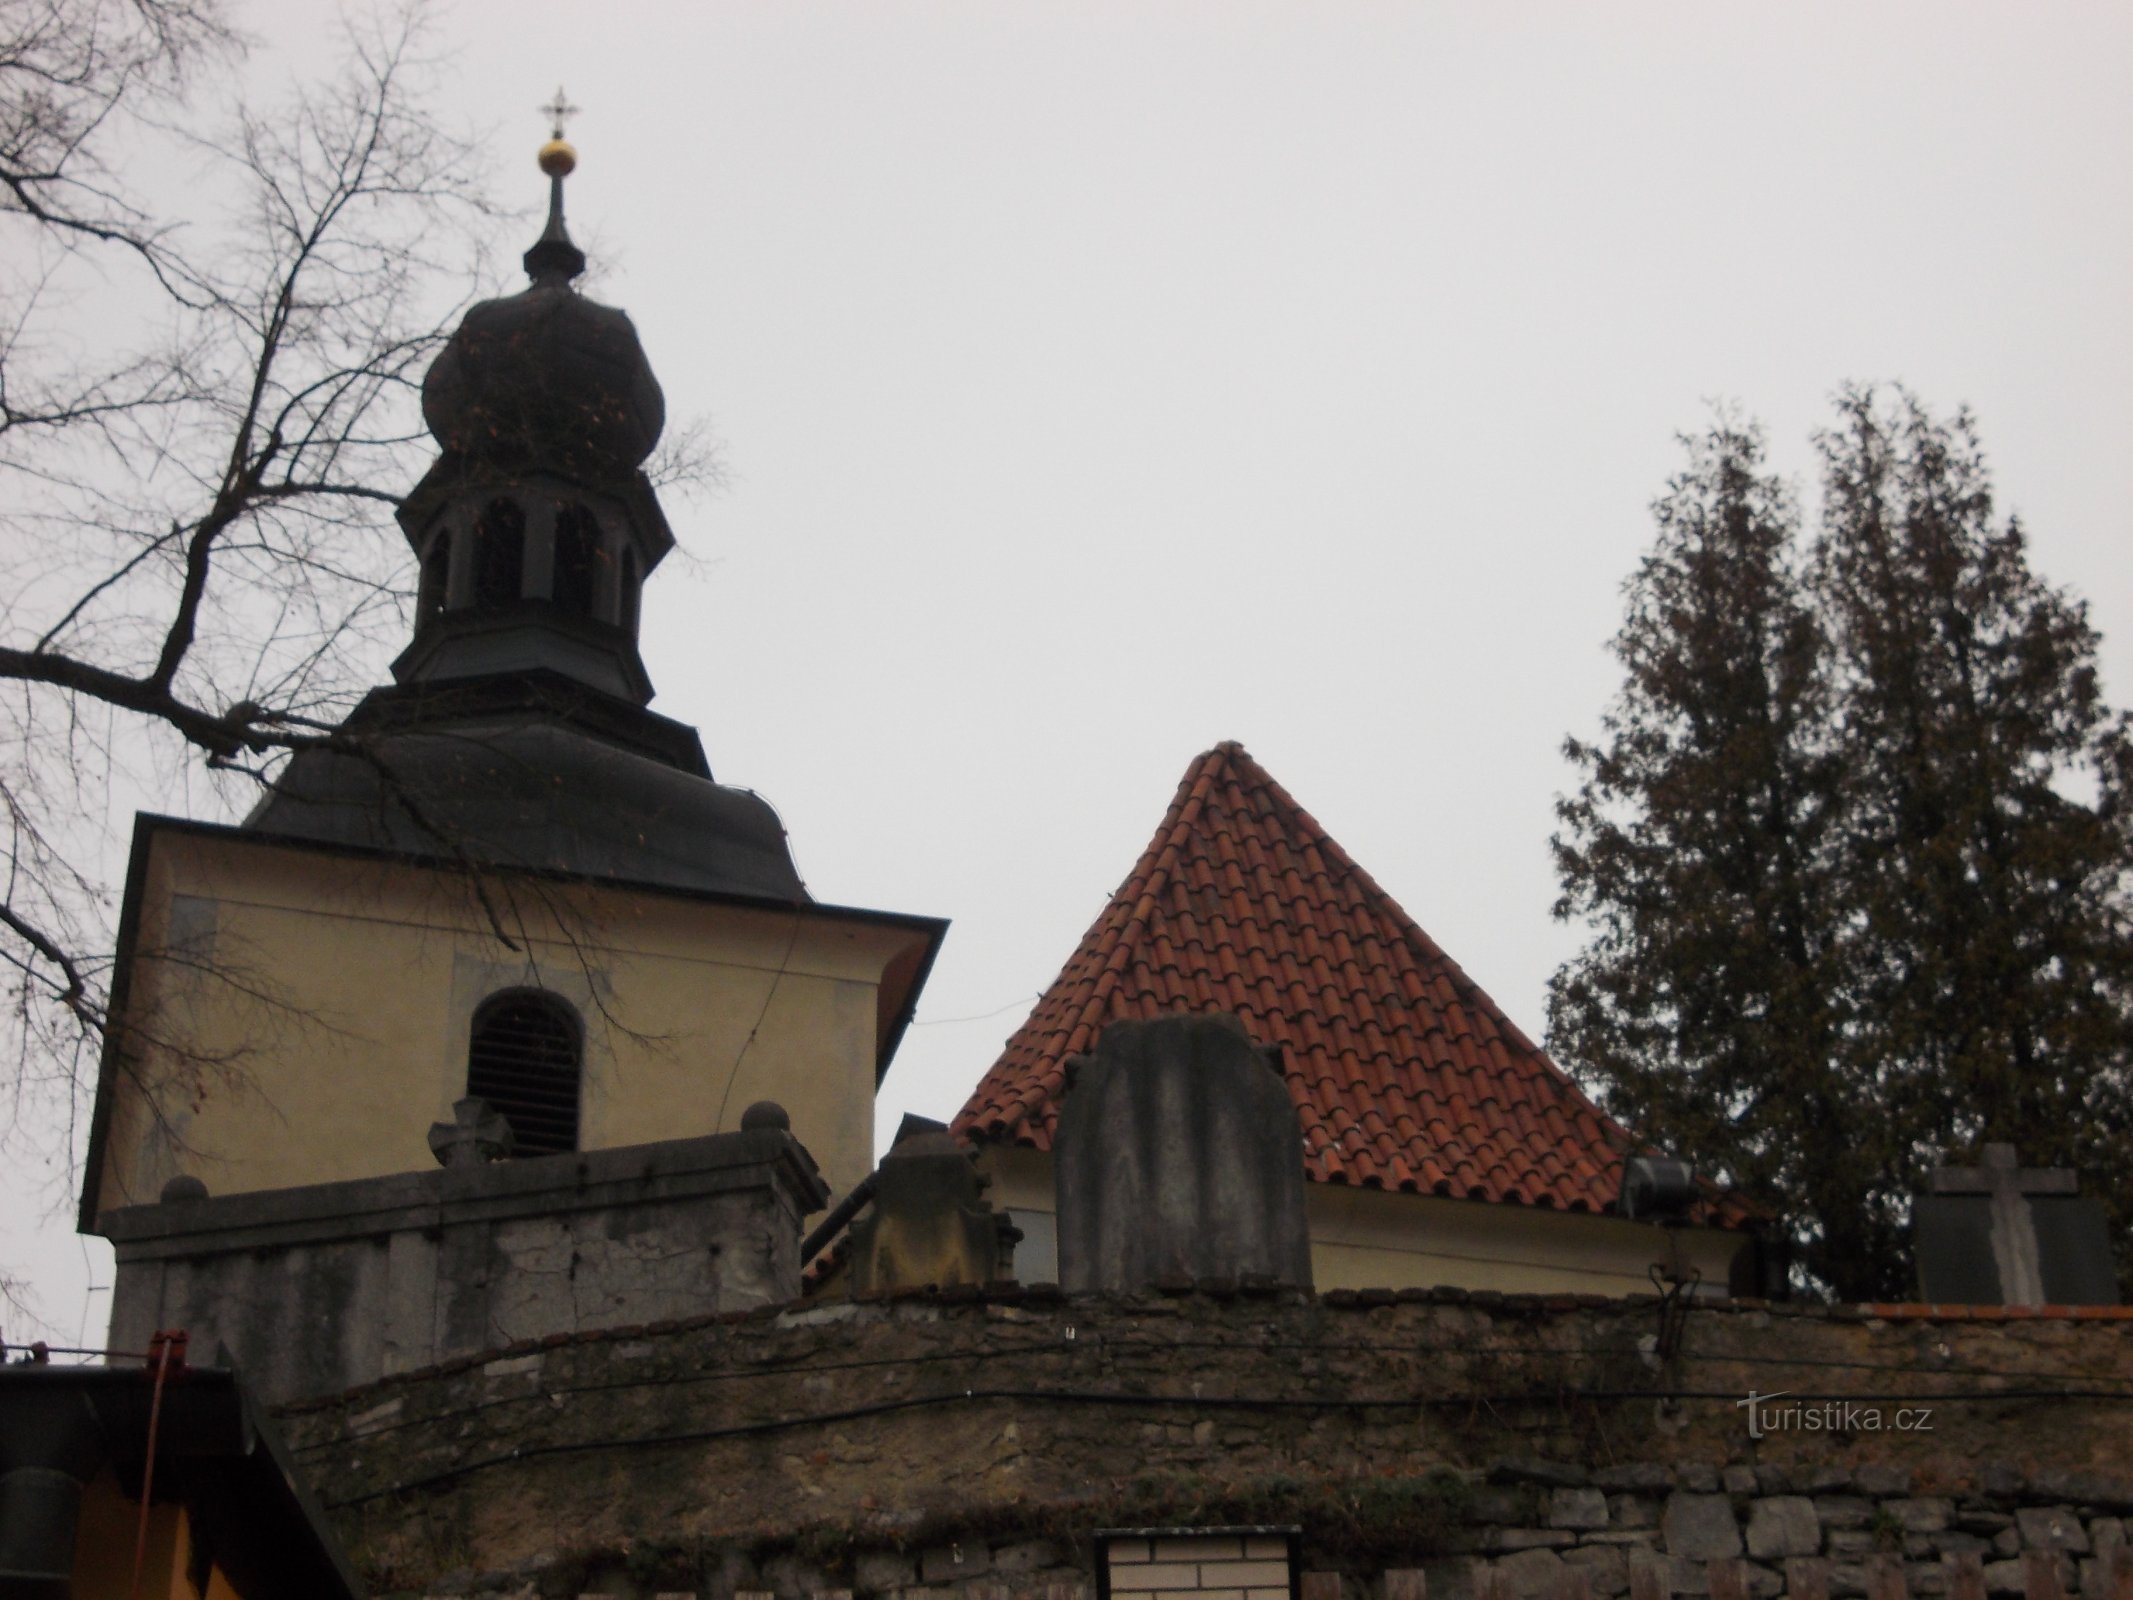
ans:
(554, 259)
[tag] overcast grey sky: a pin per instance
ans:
(1100, 381)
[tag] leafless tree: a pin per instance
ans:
(213, 325)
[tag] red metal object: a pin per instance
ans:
(166, 1359)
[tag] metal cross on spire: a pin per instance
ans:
(558, 111)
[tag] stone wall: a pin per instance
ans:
(968, 1447)
(316, 1289)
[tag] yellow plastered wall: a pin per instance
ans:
(1371, 1239)
(298, 1016)
(107, 1536)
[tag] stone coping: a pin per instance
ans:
(266, 1219)
(1010, 1293)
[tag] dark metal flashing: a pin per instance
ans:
(147, 825)
(447, 651)
(541, 694)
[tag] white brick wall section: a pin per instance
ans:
(1198, 1549)
(1224, 1567)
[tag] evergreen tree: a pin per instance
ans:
(1708, 1008)
(1992, 959)
(1848, 911)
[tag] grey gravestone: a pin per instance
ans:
(1178, 1157)
(2003, 1234)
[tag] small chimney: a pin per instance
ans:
(1178, 1157)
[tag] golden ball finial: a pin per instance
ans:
(558, 158)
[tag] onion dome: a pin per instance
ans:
(547, 375)
(518, 732)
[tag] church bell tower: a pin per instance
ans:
(497, 944)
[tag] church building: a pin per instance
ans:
(502, 879)
(499, 1017)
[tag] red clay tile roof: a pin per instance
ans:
(1405, 1075)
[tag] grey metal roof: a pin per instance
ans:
(509, 792)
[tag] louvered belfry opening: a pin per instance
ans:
(524, 1060)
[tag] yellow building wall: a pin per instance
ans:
(298, 1016)
(1372, 1239)
(105, 1540)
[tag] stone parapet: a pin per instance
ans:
(320, 1289)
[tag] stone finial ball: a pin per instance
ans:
(765, 1114)
(183, 1187)
(558, 158)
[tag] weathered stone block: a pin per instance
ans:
(1635, 1475)
(2084, 1488)
(1632, 1511)
(1406, 1583)
(1027, 1555)
(1501, 1503)
(1531, 1574)
(1926, 1514)
(1530, 1539)
(1577, 1508)
(1684, 1576)
(1533, 1469)
(878, 1571)
(1807, 1578)
(2006, 1577)
(1698, 1477)
(1738, 1480)
(955, 1563)
(1783, 1525)
(1649, 1573)
(1605, 1567)
(2001, 1478)
(1700, 1527)
(1844, 1510)
(2052, 1528)
(1881, 1482)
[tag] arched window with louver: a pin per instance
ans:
(577, 556)
(499, 553)
(524, 1058)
